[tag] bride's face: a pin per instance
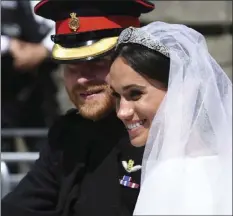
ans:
(137, 99)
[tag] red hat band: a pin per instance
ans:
(76, 24)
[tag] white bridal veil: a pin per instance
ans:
(187, 164)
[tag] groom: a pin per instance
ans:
(76, 173)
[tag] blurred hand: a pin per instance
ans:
(26, 55)
(16, 45)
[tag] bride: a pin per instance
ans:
(175, 100)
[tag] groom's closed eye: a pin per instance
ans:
(115, 94)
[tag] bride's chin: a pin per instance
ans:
(138, 142)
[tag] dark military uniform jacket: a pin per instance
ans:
(76, 173)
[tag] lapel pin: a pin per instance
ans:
(129, 167)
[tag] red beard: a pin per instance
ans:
(95, 108)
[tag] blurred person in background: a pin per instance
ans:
(28, 90)
(77, 172)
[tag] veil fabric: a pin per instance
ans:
(187, 163)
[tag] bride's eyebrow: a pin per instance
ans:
(133, 86)
(127, 87)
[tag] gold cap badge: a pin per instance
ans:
(74, 22)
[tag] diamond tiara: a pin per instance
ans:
(138, 36)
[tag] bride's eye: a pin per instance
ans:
(135, 94)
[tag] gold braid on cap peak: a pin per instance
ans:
(93, 50)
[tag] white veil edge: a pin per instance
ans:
(187, 163)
